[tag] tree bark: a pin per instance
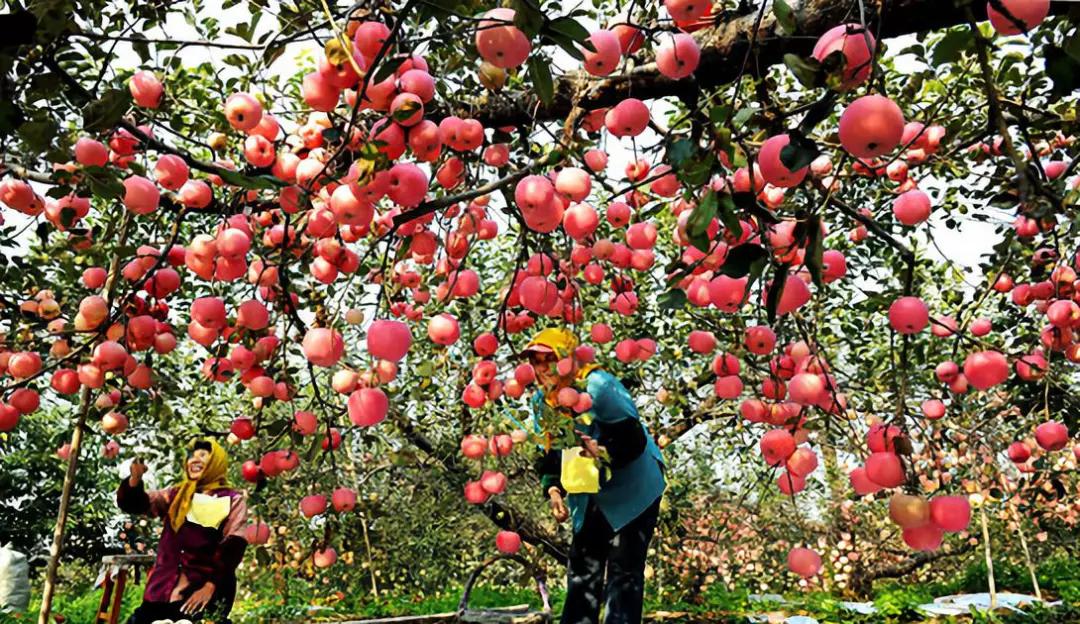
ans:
(723, 48)
(862, 579)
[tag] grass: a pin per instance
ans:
(895, 602)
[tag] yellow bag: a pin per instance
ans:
(580, 475)
(209, 511)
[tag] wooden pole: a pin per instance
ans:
(49, 588)
(989, 559)
(363, 521)
(1027, 554)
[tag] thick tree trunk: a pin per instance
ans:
(723, 50)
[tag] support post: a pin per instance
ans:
(49, 587)
(989, 558)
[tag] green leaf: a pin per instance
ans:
(799, 152)
(425, 369)
(697, 227)
(785, 16)
(743, 116)
(1062, 69)
(679, 152)
(10, 117)
(674, 299)
(776, 289)
(38, 135)
(818, 112)
(406, 110)
(105, 112)
(540, 73)
(264, 182)
(1072, 46)
(739, 259)
(387, 66)
(757, 268)
(568, 27)
(272, 53)
(729, 215)
(814, 248)
(696, 172)
(719, 114)
(103, 183)
(567, 44)
(527, 17)
(807, 71)
(952, 46)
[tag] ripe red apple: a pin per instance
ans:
(368, 407)
(871, 126)
(923, 538)
(475, 494)
(508, 542)
(777, 446)
(909, 511)
(885, 469)
(114, 423)
(950, 513)
(324, 558)
(985, 369)
(388, 340)
(804, 562)
(257, 533)
(1029, 13)
(1052, 436)
(312, 505)
(343, 499)
(250, 471)
(242, 428)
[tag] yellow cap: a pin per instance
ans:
(555, 340)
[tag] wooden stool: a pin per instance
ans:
(520, 614)
(113, 578)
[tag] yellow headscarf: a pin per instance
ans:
(562, 342)
(214, 477)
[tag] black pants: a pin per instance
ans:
(597, 549)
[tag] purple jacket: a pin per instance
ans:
(195, 553)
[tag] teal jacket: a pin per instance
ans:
(636, 481)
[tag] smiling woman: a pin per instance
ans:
(202, 542)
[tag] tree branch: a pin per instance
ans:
(722, 47)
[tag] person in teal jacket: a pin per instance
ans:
(612, 528)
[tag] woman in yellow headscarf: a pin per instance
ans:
(608, 483)
(201, 544)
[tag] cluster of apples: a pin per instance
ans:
(491, 482)
(1049, 436)
(141, 327)
(388, 342)
(503, 46)
(923, 522)
(545, 203)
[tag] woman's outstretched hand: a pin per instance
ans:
(558, 505)
(138, 469)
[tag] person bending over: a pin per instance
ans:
(613, 525)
